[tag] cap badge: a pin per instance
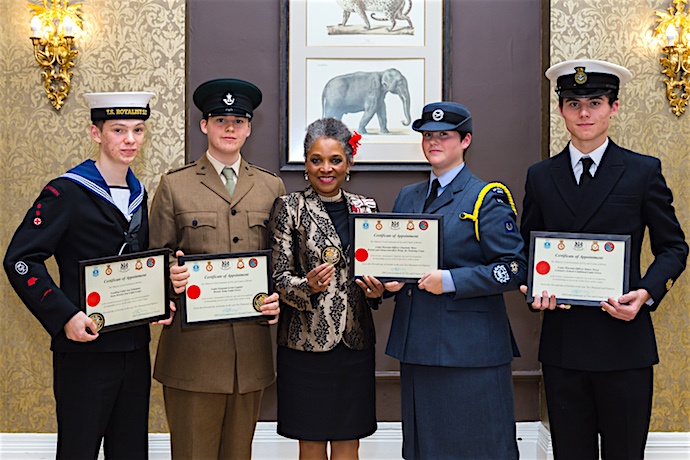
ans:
(669, 284)
(437, 115)
(580, 76)
(229, 100)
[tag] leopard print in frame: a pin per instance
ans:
(392, 10)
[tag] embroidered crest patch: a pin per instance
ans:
(501, 274)
(21, 268)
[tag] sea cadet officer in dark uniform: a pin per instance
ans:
(597, 361)
(450, 330)
(213, 376)
(96, 209)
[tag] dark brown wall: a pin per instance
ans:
(496, 72)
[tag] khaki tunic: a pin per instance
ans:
(193, 211)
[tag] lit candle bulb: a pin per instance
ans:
(35, 26)
(671, 34)
(68, 26)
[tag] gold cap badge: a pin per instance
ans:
(580, 76)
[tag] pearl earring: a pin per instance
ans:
(306, 176)
(347, 177)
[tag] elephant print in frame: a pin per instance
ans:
(375, 78)
(364, 99)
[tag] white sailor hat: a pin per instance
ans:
(119, 105)
(587, 77)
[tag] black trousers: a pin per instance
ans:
(615, 405)
(102, 395)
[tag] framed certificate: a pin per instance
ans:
(396, 247)
(226, 287)
(127, 290)
(579, 268)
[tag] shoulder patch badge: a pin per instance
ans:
(514, 267)
(501, 274)
(21, 268)
(509, 226)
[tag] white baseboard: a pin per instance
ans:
(534, 442)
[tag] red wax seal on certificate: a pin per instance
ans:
(193, 292)
(93, 299)
(361, 255)
(543, 267)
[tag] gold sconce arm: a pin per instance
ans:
(53, 30)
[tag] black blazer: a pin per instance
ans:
(72, 224)
(627, 195)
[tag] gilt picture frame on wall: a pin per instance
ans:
(374, 71)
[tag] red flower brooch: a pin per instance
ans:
(354, 142)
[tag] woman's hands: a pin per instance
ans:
(372, 287)
(320, 277)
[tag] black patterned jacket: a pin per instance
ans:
(300, 229)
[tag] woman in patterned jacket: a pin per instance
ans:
(326, 390)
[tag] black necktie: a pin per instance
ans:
(586, 177)
(432, 195)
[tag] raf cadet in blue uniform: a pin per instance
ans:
(597, 362)
(96, 209)
(450, 331)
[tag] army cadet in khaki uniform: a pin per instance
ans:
(213, 376)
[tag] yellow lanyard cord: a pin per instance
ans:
(480, 200)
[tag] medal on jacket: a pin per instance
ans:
(331, 255)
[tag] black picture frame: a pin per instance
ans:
(127, 266)
(253, 314)
(395, 238)
(402, 145)
(571, 237)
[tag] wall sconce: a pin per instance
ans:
(675, 62)
(53, 28)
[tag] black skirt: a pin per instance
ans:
(326, 396)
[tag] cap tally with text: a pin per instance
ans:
(227, 96)
(587, 77)
(119, 105)
(444, 116)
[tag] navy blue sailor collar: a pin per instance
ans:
(87, 175)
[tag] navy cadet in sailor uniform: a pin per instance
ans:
(450, 330)
(597, 362)
(97, 209)
(214, 376)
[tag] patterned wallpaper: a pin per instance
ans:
(126, 45)
(620, 31)
(139, 45)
